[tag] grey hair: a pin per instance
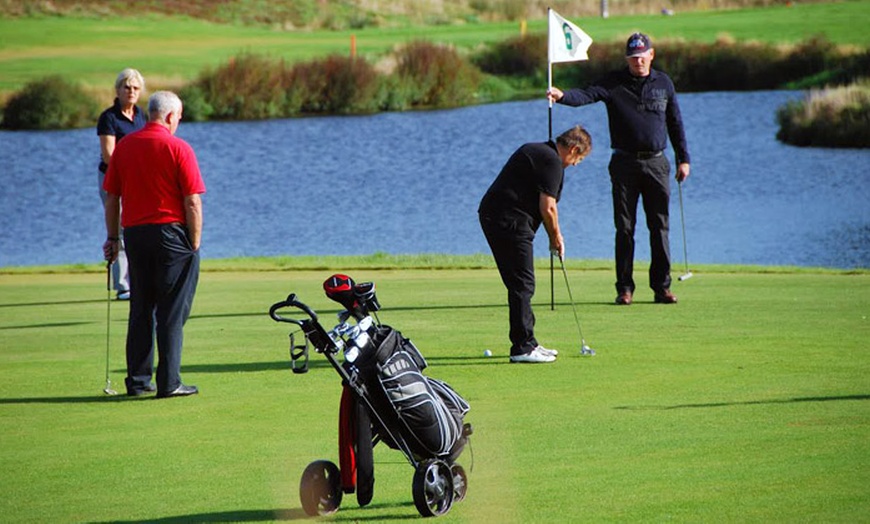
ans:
(576, 136)
(127, 75)
(161, 103)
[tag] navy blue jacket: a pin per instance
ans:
(643, 112)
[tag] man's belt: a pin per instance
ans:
(640, 155)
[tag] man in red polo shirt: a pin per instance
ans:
(156, 177)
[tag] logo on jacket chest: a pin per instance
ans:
(654, 100)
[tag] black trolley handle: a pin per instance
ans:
(291, 301)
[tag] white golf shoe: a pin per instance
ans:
(534, 356)
(542, 349)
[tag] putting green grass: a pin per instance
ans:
(749, 401)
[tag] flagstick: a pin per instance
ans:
(571, 41)
(550, 135)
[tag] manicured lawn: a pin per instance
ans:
(748, 401)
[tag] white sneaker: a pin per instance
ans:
(533, 357)
(542, 349)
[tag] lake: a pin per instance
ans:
(410, 183)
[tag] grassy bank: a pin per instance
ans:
(835, 117)
(747, 401)
(356, 14)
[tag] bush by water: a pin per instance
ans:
(50, 103)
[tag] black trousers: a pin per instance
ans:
(164, 271)
(512, 245)
(633, 179)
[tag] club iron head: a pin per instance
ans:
(685, 276)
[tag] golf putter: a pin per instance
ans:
(108, 389)
(688, 274)
(584, 349)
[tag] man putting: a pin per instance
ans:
(643, 112)
(524, 195)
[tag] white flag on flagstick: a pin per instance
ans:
(567, 42)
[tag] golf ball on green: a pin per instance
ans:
(487, 353)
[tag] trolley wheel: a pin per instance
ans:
(320, 489)
(365, 462)
(460, 483)
(433, 488)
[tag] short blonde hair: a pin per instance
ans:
(129, 74)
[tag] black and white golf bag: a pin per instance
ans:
(428, 412)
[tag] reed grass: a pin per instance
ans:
(829, 117)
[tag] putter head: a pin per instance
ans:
(586, 350)
(109, 391)
(686, 276)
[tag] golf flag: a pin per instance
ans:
(567, 42)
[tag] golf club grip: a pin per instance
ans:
(290, 302)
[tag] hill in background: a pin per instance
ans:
(352, 14)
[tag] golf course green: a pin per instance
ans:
(748, 401)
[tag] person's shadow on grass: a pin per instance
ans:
(267, 515)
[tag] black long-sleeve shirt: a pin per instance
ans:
(643, 111)
(533, 169)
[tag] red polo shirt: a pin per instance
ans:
(152, 171)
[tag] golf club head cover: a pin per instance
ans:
(340, 288)
(365, 294)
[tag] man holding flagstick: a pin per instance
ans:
(643, 114)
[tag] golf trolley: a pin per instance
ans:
(385, 398)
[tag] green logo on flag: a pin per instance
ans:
(568, 41)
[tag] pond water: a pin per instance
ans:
(410, 183)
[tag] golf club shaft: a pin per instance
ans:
(108, 322)
(683, 224)
(573, 307)
(552, 286)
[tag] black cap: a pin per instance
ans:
(637, 44)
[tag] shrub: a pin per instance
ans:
(196, 105)
(336, 85)
(838, 117)
(807, 58)
(50, 103)
(438, 75)
(396, 94)
(719, 66)
(517, 56)
(257, 87)
(247, 87)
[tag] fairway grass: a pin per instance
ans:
(749, 401)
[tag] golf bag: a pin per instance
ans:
(428, 412)
(385, 398)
